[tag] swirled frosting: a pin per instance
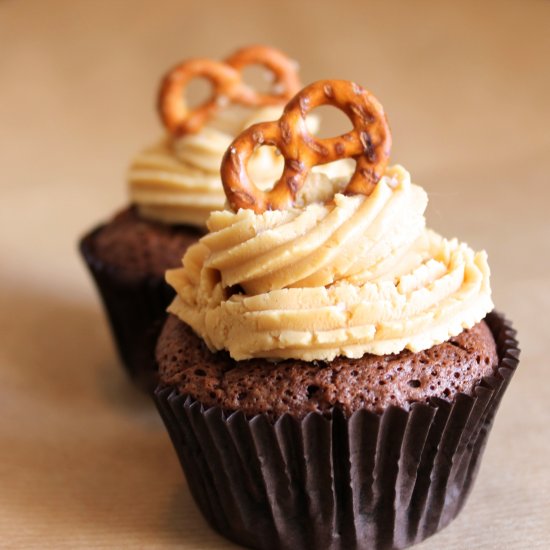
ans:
(359, 274)
(178, 181)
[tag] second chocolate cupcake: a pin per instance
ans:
(173, 186)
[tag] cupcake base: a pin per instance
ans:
(370, 481)
(135, 309)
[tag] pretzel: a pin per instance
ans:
(227, 84)
(368, 143)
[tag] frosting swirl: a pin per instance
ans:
(178, 181)
(360, 274)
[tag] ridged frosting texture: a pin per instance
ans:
(178, 181)
(358, 274)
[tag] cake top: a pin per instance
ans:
(346, 274)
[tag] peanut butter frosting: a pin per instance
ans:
(177, 181)
(359, 274)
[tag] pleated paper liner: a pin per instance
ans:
(370, 481)
(135, 309)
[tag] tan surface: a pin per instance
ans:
(85, 463)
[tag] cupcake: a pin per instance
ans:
(173, 187)
(330, 368)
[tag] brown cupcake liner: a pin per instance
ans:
(370, 481)
(135, 309)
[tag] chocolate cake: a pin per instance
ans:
(297, 387)
(134, 247)
(127, 258)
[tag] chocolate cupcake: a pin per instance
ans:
(330, 371)
(173, 187)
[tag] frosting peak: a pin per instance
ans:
(358, 274)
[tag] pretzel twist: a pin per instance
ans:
(228, 86)
(369, 143)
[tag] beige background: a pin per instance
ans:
(84, 460)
